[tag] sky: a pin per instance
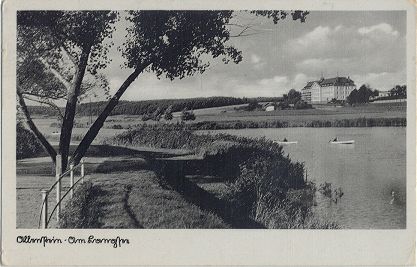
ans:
(369, 47)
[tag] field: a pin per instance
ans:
(117, 124)
(392, 110)
(47, 126)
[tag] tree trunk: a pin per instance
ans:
(48, 147)
(68, 121)
(95, 128)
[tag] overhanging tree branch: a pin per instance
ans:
(51, 151)
(47, 102)
(98, 124)
(56, 73)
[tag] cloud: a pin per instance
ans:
(300, 80)
(274, 80)
(319, 39)
(319, 34)
(369, 49)
(348, 50)
(257, 61)
(382, 81)
(379, 28)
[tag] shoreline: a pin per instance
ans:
(241, 124)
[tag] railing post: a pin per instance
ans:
(71, 179)
(44, 208)
(58, 171)
(82, 170)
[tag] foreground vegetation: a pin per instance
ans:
(27, 145)
(263, 185)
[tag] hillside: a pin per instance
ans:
(149, 106)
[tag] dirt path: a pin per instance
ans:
(29, 199)
(136, 200)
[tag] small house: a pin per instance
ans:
(269, 107)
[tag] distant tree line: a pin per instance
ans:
(399, 91)
(365, 94)
(290, 100)
(293, 99)
(147, 106)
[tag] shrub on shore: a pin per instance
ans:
(27, 145)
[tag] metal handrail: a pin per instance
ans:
(62, 198)
(72, 168)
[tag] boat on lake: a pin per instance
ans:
(286, 142)
(346, 142)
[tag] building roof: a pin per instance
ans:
(336, 81)
(268, 104)
(309, 84)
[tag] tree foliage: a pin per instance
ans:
(399, 91)
(360, 96)
(173, 42)
(292, 97)
(168, 114)
(187, 115)
(26, 143)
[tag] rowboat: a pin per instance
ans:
(346, 142)
(286, 142)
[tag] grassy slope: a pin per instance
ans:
(136, 200)
(395, 110)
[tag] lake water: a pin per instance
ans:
(367, 171)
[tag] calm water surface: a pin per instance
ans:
(367, 171)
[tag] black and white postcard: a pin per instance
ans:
(208, 132)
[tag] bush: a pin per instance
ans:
(146, 117)
(82, 211)
(168, 116)
(27, 145)
(302, 105)
(265, 179)
(187, 115)
(117, 126)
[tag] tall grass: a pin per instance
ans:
(358, 122)
(248, 124)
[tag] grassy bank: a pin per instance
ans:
(262, 185)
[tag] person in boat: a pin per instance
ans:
(285, 140)
(392, 197)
